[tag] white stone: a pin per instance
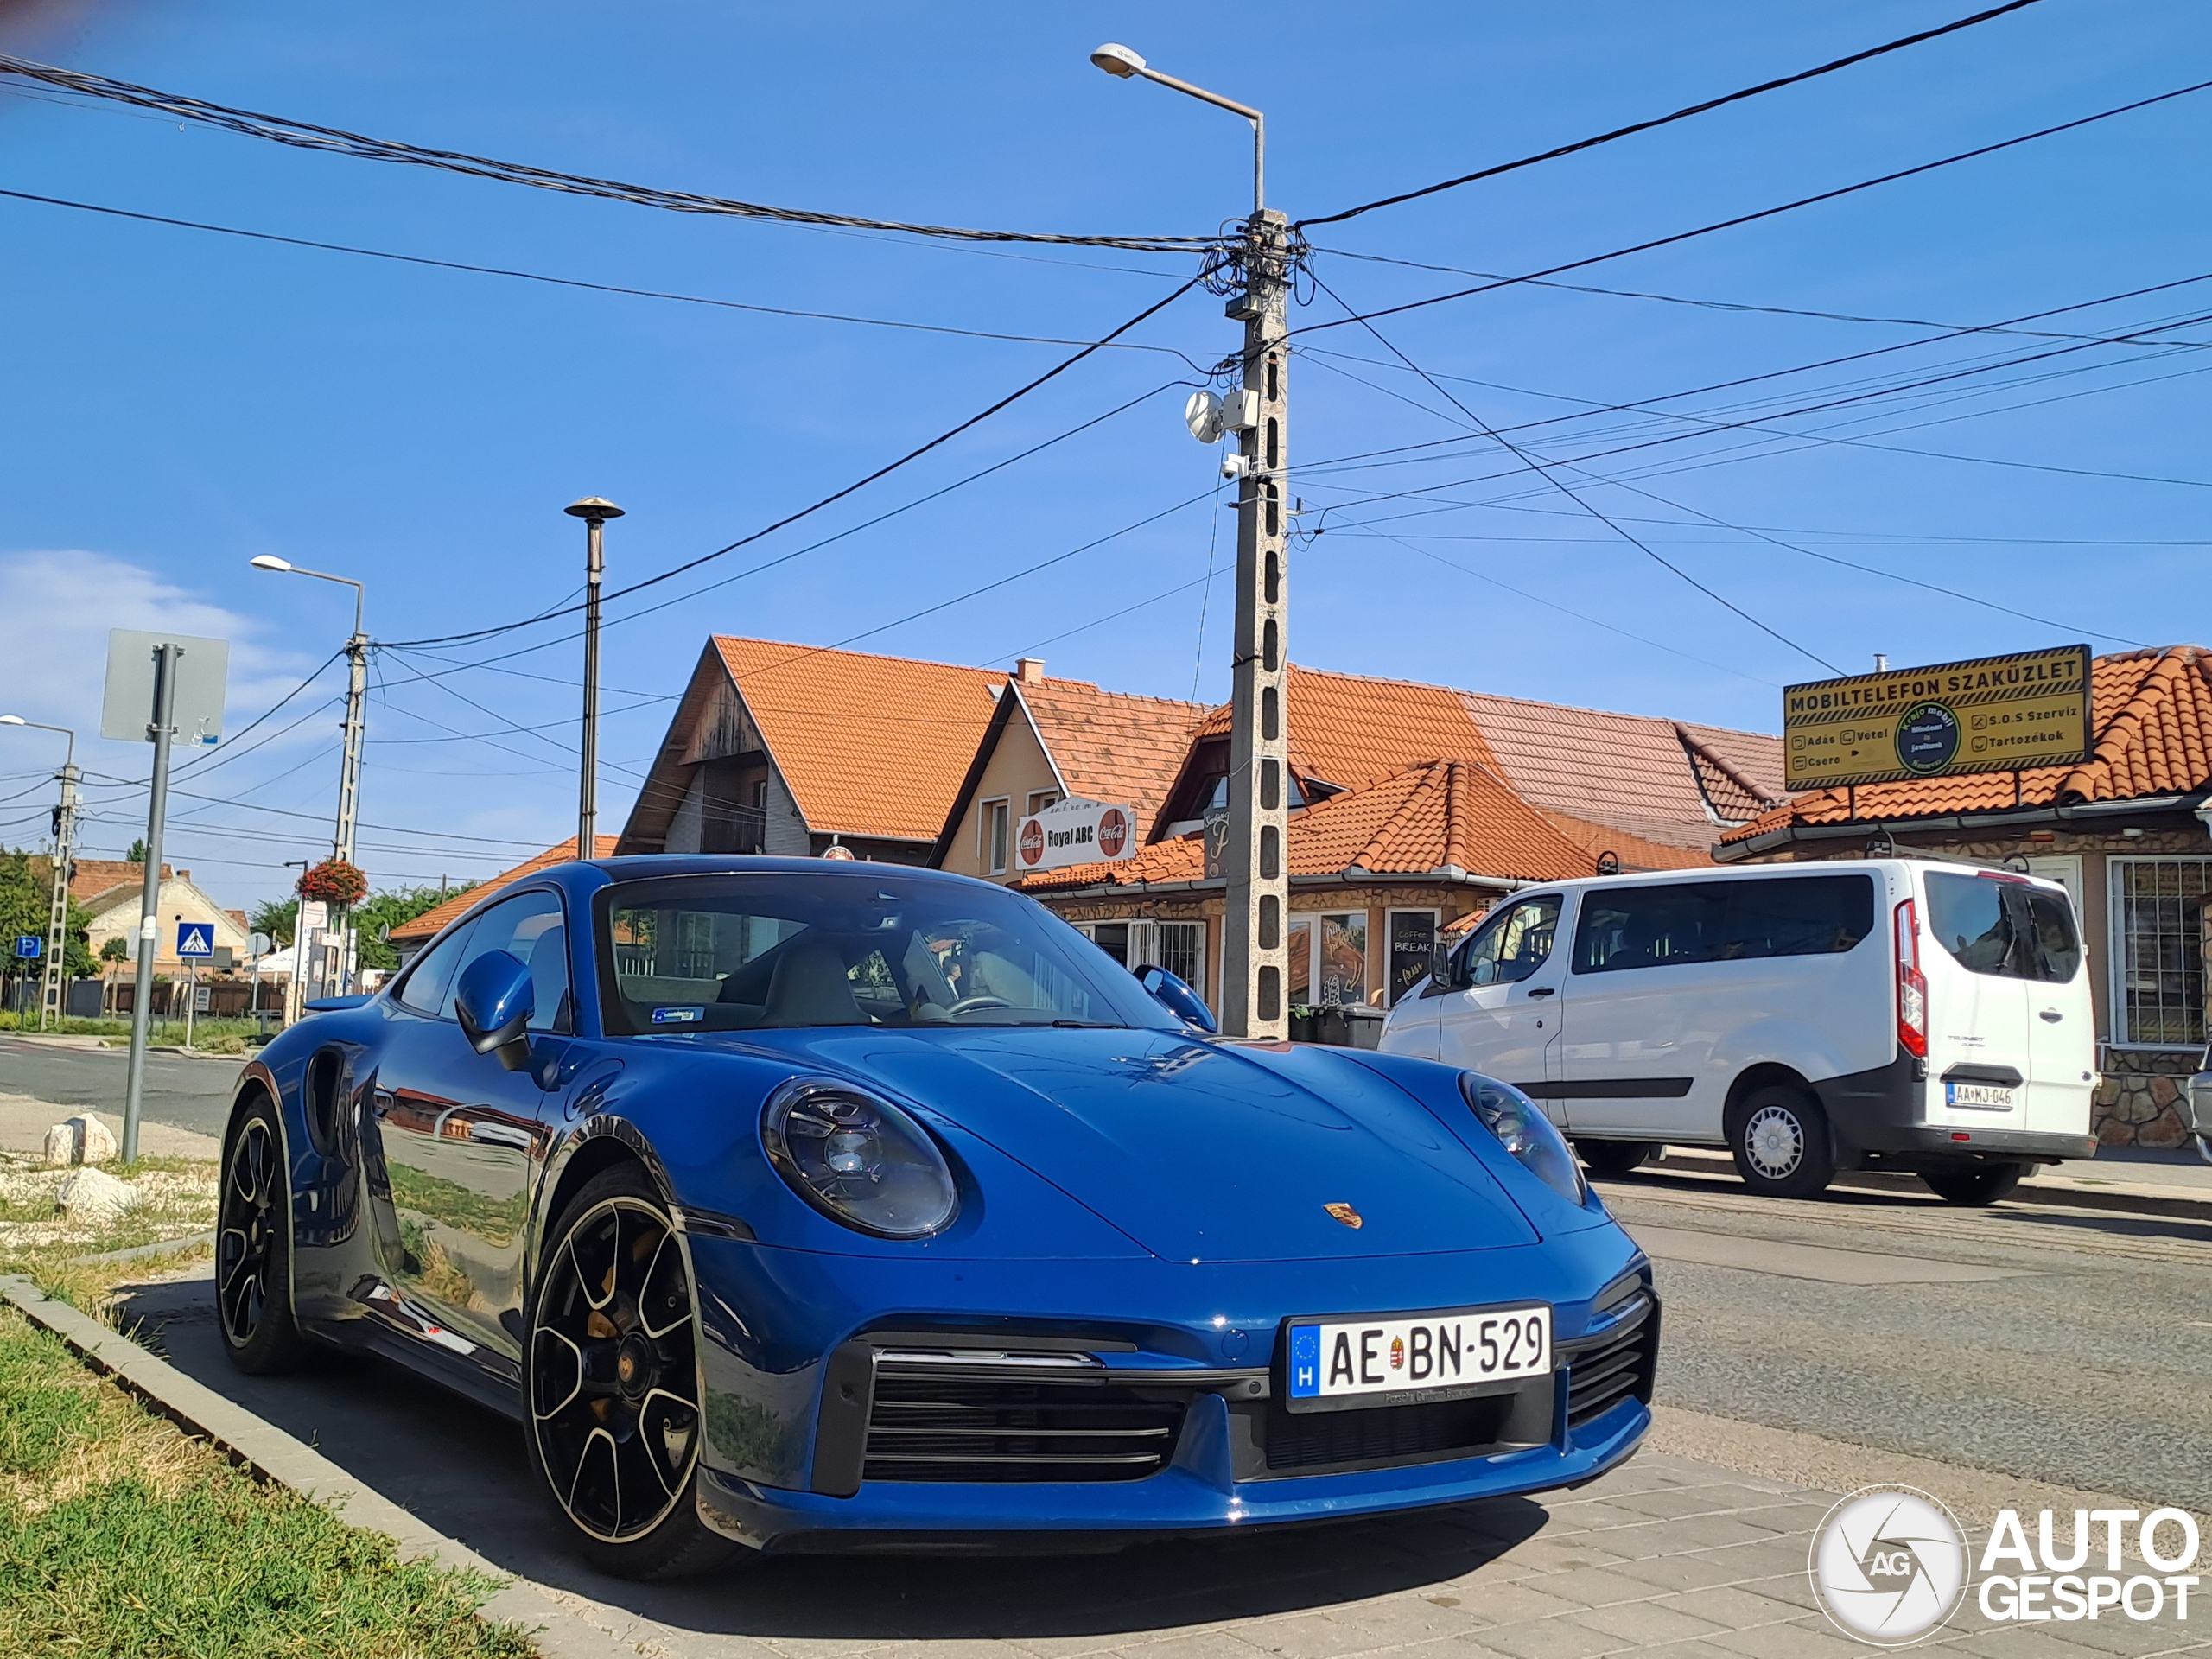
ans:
(93, 1195)
(80, 1140)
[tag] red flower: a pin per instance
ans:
(334, 882)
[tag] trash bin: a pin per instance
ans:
(1363, 1027)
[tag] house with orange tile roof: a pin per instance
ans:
(789, 749)
(411, 936)
(1376, 872)
(1050, 740)
(2125, 830)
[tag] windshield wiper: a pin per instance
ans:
(1088, 1025)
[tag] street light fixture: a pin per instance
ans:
(65, 833)
(357, 685)
(1254, 861)
(595, 511)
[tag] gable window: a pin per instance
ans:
(2157, 950)
(1039, 799)
(995, 837)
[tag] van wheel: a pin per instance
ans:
(1974, 1184)
(1779, 1137)
(1614, 1157)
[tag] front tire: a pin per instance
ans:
(1779, 1138)
(611, 1381)
(253, 1248)
(1614, 1157)
(1974, 1184)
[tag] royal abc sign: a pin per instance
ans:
(1075, 832)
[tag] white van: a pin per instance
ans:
(1889, 1014)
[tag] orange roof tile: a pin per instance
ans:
(1447, 817)
(1634, 852)
(91, 877)
(2150, 717)
(437, 916)
(1110, 746)
(868, 744)
(1351, 728)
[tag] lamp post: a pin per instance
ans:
(65, 834)
(1256, 861)
(595, 511)
(296, 989)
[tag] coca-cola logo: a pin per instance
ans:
(1113, 832)
(1033, 842)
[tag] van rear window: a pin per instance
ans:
(2007, 930)
(1681, 923)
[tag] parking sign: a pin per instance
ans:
(29, 947)
(195, 940)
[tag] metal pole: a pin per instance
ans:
(149, 902)
(53, 994)
(587, 800)
(191, 997)
(1255, 982)
(349, 777)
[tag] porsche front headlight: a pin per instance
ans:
(1523, 1130)
(858, 1159)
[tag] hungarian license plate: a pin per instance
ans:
(1994, 1096)
(1407, 1358)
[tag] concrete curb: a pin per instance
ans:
(2135, 1199)
(270, 1454)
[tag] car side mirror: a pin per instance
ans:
(493, 1003)
(1174, 994)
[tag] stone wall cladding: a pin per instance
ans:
(2139, 1097)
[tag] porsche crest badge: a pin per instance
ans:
(1346, 1214)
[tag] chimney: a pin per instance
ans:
(1030, 671)
(184, 875)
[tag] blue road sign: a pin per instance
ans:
(30, 946)
(194, 939)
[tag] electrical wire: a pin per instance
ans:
(1684, 114)
(1763, 213)
(306, 135)
(568, 281)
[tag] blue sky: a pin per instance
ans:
(178, 403)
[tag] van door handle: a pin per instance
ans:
(2051, 1014)
(1540, 990)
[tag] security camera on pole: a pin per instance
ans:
(51, 1000)
(1254, 861)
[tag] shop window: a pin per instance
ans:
(1413, 935)
(2157, 950)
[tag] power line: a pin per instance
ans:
(914, 454)
(1764, 213)
(1636, 127)
(565, 282)
(306, 135)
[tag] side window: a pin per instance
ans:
(1514, 943)
(1682, 923)
(425, 988)
(530, 928)
(2007, 930)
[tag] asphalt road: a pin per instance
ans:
(191, 1094)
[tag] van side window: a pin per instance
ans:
(1681, 923)
(2007, 930)
(1513, 943)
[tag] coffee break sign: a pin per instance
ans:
(1994, 714)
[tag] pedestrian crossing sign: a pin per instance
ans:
(194, 939)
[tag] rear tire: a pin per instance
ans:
(253, 1247)
(1779, 1137)
(1614, 1157)
(1974, 1184)
(610, 1383)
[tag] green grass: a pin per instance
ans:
(120, 1538)
(158, 1031)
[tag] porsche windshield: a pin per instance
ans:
(759, 952)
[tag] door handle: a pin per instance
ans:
(2051, 1014)
(1539, 990)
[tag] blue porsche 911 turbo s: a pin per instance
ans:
(807, 1205)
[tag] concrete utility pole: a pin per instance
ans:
(595, 511)
(160, 730)
(1255, 863)
(51, 992)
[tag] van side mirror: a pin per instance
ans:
(493, 1003)
(1439, 966)
(1174, 994)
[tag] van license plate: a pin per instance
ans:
(1990, 1096)
(1416, 1357)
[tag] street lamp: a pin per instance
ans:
(595, 511)
(357, 686)
(1120, 62)
(1254, 861)
(65, 833)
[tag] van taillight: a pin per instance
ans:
(1912, 984)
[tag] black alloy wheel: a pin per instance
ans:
(253, 1255)
(613, 1382)
(1614, 1157)
(1974, 1184)
(1779, 1137)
